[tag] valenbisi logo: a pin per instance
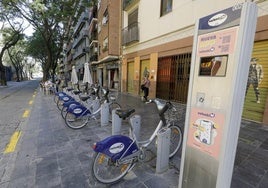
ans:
(211, 115)
(65, 98)
(117, 147)
(77, 110)
(217, 19)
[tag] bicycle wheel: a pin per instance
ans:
(60, 104)
(64, 111)
(56, 98)
(107, 171)
(112, 106)
(175, 139)
(75, 122)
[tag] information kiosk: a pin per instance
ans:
(222, 49)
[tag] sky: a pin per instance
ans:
(29, 31)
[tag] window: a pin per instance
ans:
(133, 17)
(166, 7)
(105, 44)
(105, 17)
(99, 27)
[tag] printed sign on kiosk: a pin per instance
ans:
(222, 49)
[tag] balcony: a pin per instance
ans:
(93, 39)
(130, 34)
(78, 53)
(69, 47)
(82, 20)
(94, 57)
(86, 49)
(69, 57)
(93, 14)
(80, 38)
(127, 4)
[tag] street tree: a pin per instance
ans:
(10, 37)
(17, 58)
(54, 20)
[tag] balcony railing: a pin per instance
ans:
(129, 3)
(93, 13)
(83, 34)
(83, 18)
(130, 34)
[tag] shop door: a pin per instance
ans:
(130, 77)
(183, 66)
(257, 89)
(164, 78)
(173, 77)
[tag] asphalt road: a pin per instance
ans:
(15, 103)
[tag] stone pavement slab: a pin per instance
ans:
(52, 155)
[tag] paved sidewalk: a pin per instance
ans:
(50, 154)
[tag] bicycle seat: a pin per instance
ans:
(77, 92)
(85, 97)
(124, 113)
(70, 89)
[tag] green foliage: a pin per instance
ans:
(53, 21)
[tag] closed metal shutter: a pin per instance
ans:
(256, 94)
(173, 77)
(164, 78)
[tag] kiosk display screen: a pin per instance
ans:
(213, 65)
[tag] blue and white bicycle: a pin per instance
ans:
(116, 155)
(78, 116)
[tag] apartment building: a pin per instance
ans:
(109, 43)
(157, 36)
(84, 45)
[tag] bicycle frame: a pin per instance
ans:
(133, 148)
(146, 143)
(80, 110)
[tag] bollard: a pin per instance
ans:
(163, 143)
(95, 105)
(116, 123)
(135, 122)
(104, 114)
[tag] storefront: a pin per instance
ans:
(257, 87)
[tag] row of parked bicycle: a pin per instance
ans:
(78, 108)
(116, 155)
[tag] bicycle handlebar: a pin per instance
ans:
(162, 107)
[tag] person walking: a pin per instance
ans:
(146, 85)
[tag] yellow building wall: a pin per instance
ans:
(153, 75)
(124, 75)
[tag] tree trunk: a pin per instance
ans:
(3, 80)
(17, 75)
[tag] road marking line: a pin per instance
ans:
(30, 102)
(26, 113)
(13, 142)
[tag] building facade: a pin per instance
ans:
(123, 39)
(157, 36)
(106, 68)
